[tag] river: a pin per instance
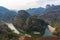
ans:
(47, 31)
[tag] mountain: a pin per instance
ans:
(35, 24)
(23, 14)
(52, 15)
(20, 18)
(2, 11)
(6, 14)
(34, 11)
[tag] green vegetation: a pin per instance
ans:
(52, 15)
(36, 24)
(28, 23)
(6, 33)
(20, 19)
(57, 33)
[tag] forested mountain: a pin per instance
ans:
(51, 12)
(6, 14)
(35, 24)
(27, 23)
(6, 33)
(20, 18)
(52, 15)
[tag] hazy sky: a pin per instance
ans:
(24, 4)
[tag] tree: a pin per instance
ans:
(35, 24)
(6, 33)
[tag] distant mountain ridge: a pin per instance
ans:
(6, 14)
(51, 11)
(34, 11)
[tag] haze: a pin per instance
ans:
(25, 4)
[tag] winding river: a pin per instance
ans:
(48, 30)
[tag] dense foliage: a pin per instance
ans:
(20, 19)
(35, 24)
(6, 33)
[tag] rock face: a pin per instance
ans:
(52, 30)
